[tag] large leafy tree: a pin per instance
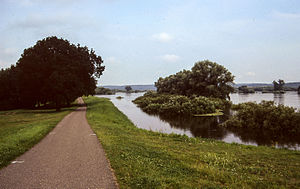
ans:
(55, 71)
(206, 78)
(9, 94)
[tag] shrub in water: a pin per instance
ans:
(154, 103)
(265, 115)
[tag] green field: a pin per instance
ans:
(145, 159)
(21, 129)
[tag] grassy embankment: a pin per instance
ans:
(145, 159)
(21, 129)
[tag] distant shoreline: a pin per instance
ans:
(152, 87)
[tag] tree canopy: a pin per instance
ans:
(128, 88)
(206, 78)
(278, 86)
(54, 71)
(245, 89)
(9, 93)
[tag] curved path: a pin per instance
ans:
(70, 156)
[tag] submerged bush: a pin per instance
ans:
(265, 115)
(154, 103)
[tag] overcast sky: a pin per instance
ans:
(139, 41)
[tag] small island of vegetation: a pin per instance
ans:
(245, 89)
(104, 91)
(278, 120)
(202, 90)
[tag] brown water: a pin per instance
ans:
(207, 127)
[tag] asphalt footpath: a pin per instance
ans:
(70, 156)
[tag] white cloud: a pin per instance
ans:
(250, 74)
(39, 21)
(111, 60)
(59, 21)
(284, 15)
(9, 51)
(170, 58)
(162, 37)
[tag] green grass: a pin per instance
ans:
(217, 113)
(21, 129)
(145, 159)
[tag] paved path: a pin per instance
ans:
(68, 157)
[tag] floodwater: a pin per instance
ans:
(207, 127)
(290, 98)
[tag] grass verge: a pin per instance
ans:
(145, 159)
(21, 129)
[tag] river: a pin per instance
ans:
(207, 127)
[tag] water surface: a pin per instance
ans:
(207, 127)
(290, 98)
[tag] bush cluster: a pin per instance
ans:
(265, 115)
(152, 102)
(206, 78)
(104, 91)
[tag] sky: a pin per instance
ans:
(140, 41)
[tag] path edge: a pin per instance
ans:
(98, 139)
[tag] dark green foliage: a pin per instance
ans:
(245, 89)
(9, 93)
(265, 116)
(278, 86)
(53, 71)
(104, 91)
(155, 103)
(205, 79)
(128, 88)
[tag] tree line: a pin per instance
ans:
(53, 72)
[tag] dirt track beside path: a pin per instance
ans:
(70, 156)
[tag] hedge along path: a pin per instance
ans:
(68, 157)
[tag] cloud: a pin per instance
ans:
(250, 74)
(162, 37)
(9, 51)
(38, 21)
(170, 58)
(53, 22)
(278, 14)
(112, 60)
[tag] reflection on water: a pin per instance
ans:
(205, 127)
(208, 127)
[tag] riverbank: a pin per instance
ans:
(22, 129)
(146, 159)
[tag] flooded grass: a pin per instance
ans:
(146, 159)
(21, 129)
(217, 113)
